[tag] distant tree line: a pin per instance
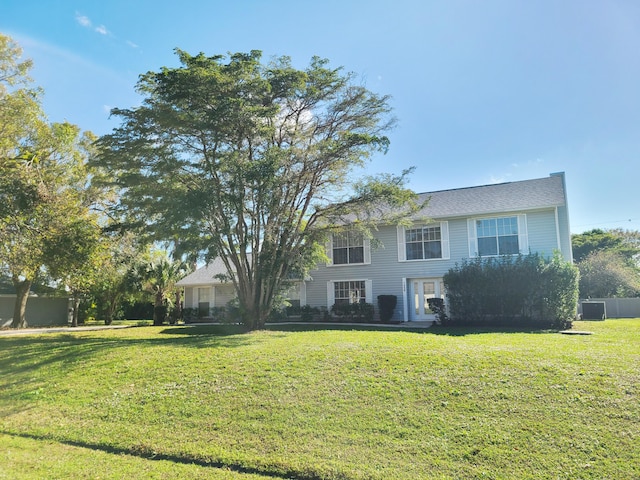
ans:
(609, 263)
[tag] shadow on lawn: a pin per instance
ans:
(434, 330)
(22, 356)
(148, 453)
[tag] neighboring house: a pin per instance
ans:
(204, 291)
(528, 216)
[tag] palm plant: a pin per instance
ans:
(159, 277)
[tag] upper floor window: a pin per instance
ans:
(424, 242)
(349, 248)
(498, 236)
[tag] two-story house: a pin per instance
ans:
(491, 220)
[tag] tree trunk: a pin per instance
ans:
(159, 310)
(177, 308)
(22, 295)
(76, 308)
(111, 308)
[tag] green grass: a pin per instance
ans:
(206, 402)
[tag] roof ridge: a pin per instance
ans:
(486, 185)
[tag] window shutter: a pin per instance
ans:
(329, 251)
(330, 295)
(523, 236)
(444, 236)
(402, 250)
(366, 244)
(303, 293)
(368, 293)
(473, 238)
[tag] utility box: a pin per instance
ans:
(594, 311)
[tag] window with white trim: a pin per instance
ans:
(499, 236)
(349, 248)
(352, 291)
(349, 291)
(424, 242)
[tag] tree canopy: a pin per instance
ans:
(626, 243)
(609, 263)
(252, 162)
(45, 221)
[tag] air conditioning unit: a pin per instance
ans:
(594, 310)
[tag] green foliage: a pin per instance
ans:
(609, 263)
(438, 307)
(46, 226)
(513, 291)
(607, 274)
(158, 276)
(307, 313)
(353, 312)
(116, 277)
(386, 306)
(253, 158)
(624, 243)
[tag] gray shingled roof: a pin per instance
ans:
(502, 197)
(204, 275)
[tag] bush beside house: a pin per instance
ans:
(527, 290)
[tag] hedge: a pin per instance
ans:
(525, 290)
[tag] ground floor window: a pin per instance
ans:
(350, 292)
(204, 301)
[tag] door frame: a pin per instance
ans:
(438, 292)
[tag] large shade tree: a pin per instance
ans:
(44, 206)
(252, 162)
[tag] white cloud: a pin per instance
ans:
(86, 22)
(83, 20)
(132, 45)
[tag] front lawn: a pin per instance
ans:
(199, 402)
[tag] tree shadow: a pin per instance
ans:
(466, 330)
(433, 330)
(222, 330)
(149, 453)
(22, 356)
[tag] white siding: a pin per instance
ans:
(543, 238)
(224, 294)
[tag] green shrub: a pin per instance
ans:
(308, 313)
(437, 306)
(527, 290)
(353, 312)
(386, 306)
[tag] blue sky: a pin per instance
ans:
(484, 91)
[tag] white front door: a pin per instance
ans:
(421, 290)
